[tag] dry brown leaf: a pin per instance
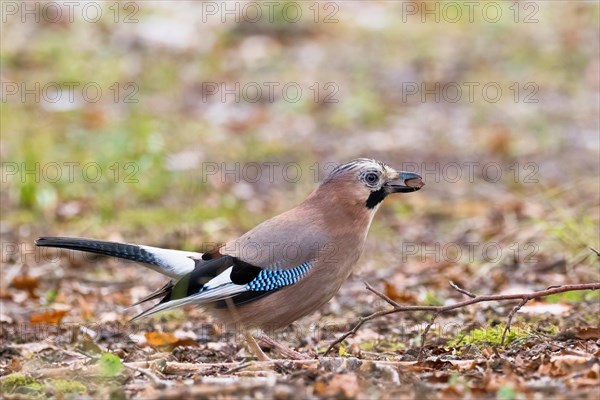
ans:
(26, 282)
(561, 365)
(464, 365)
(401, 296)
(583, 382)
(341, 384)
(95, 117)
(570, 359)
(320, 387)
(121, 298)
(186, 342)
(48, 317)
(589, 333)
(86, 310)
(15, 364)
(355, 350)
(452, 391)
(594, 372)
(499, 140)
(5, 294)
(159, 339)
(168, 341)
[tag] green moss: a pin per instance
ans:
(431, 299)
(506, 393)
(19, 383)
(488, 336)
(68, 386)
(576, 296)
(381, 345)
(51, 295)
(548, 329)
(168, 315)
(110, 365)
(573, 232)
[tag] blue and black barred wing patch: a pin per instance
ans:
(273, 279)
(267, 281)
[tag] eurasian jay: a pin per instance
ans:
(279, 271)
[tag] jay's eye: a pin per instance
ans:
(371, 178)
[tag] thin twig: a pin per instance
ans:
(424, 335)
(595, 251)
(361, 321)
(461, 290)
(158, 383)
(382, 295)
(176, 368)
(461, 304)
(269, 363)
(240, 367)
(510, 317)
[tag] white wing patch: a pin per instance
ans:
(224, 278)
(174, 263)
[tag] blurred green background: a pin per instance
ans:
(134, 161)
(180, 124)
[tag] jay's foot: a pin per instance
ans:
(255, 348)
(283, 349)
(274, 344)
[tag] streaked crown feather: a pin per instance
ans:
(356, 165)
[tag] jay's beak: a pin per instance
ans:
(405, 183)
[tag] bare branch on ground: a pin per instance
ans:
(524, 297)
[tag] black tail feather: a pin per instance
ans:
(121, 250)
(173, 263)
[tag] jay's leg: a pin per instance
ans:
(255, 348)
(283, 349)
(274, 344)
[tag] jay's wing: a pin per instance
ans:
(197, 279)
(223, 278)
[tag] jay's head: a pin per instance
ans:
(370, 181)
